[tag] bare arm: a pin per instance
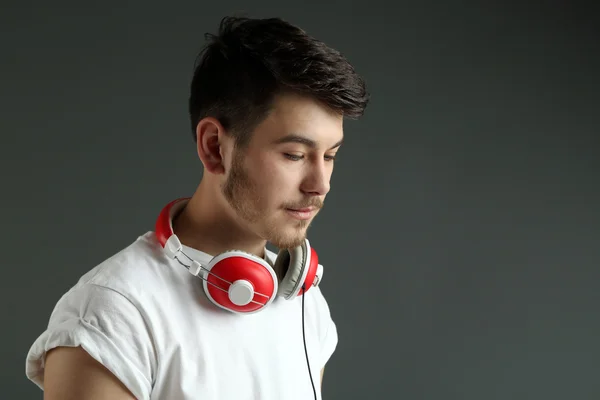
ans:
(322, 372)
(71, 373)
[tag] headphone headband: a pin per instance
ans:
(164, 226)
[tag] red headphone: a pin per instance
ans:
(242, 282)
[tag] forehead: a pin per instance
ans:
(294, 114)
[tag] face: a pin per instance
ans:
(278, 183)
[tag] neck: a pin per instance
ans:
(208, 225)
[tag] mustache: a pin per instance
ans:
(316, 203)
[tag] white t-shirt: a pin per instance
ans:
(147, 319)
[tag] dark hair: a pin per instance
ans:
(242, 68)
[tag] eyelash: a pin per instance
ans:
(298, 158)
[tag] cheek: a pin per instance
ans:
(276, 186)
(265, 169)
(265, 179)
(262, 172)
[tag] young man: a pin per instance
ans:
(267, 106)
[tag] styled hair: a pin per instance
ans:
(249, 61)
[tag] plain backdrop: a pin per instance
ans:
(461, 236)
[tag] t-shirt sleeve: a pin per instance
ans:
(109, 327)
(328, 335)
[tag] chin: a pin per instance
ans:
(282, 232)
(287, 237)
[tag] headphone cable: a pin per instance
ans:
(304, 339)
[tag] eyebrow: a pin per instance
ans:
(295, 138)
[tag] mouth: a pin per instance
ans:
(301, 213)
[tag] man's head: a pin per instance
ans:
(267, 105)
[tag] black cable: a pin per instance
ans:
(304, 338)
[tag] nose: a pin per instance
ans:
(316, 182)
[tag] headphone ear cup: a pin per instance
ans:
(236, 270)
(282, 264)
(291, 264)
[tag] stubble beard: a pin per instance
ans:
(245, 198)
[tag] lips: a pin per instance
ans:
(301, 213)
(302, 210)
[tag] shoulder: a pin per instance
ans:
(132, 269)
(110, 313)
(318, 307)
(139, 274)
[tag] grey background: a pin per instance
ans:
(461, 237)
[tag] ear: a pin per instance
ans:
(209, 144)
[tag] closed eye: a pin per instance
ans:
(298, 158)
(293, 157)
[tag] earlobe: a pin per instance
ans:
(209, 134)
